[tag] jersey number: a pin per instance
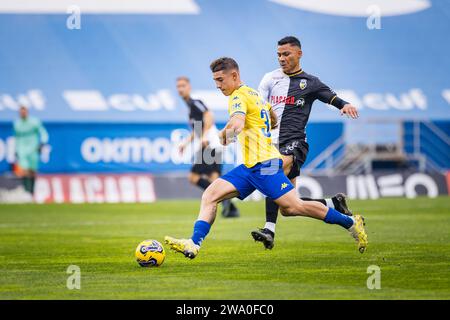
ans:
(265, 116)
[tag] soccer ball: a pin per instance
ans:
(150, 253)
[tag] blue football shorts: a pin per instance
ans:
(267, 177)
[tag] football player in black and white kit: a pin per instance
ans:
(291, 92)
(204, 138)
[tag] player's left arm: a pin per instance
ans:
(327, 95)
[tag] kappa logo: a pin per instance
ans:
(303, 84)
(284, 185)
(237, 105)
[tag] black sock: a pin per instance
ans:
(26, 181)
(32, 181)
(318, 200)
(203, 183)
(271, 211)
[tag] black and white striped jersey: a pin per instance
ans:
(291, 97)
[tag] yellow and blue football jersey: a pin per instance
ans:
(255, 139)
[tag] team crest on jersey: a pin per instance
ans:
(303, 84)
(300, 102)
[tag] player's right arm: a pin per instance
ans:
(264, 87)
(16, 137)
(273, 118)
(264, 90)
(234, 126)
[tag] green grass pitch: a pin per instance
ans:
(408, 239)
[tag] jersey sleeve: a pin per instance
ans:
(200, 106)
(237, 104)
(264, 87)
(325, 94)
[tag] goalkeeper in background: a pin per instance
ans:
(30, 137)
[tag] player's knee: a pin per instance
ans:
(209, 196)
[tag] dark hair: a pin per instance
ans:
(291, 40)
(183, 78)
(224, 63)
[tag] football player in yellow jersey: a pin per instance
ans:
(250, 121)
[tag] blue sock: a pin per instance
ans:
(335, 217)
(201, 230)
